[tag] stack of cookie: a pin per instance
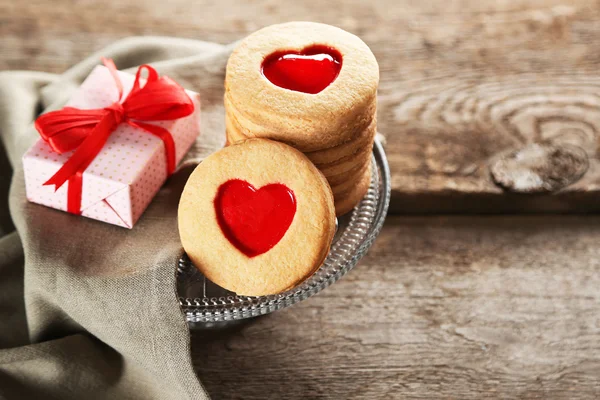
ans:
(314, 87)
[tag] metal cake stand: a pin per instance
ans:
(204, 302)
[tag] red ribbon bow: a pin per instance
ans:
(86, 131)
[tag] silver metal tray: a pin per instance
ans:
(204, 302)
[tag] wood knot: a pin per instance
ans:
(540, 168)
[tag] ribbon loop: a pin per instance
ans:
(86, 131)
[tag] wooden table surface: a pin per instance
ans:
(462, 307)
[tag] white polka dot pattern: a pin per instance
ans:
(127, 173)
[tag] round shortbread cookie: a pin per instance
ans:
(347, 164)
(333, 154)
(257, 218)
(354, 173)
(325, 156)
(347, 200)
(233, 135)
(232, 132)
(346, 185)
(308, 121)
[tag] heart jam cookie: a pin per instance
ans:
(310, 70)
(313, 87)
(257, 218)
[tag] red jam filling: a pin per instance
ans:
(254, 220)
(310, 70)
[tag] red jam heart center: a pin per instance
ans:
(310, 70)
(254, 220)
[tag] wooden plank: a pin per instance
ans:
(462, 82)
(441, 307)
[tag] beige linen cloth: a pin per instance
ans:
(89, 310)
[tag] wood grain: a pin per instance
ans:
(461, 82)
(441, 307)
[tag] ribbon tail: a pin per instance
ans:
(74, 191)
(110, 65)
(166, 138)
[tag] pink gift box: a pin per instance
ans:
(129, 170)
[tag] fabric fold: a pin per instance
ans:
(101, 309)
